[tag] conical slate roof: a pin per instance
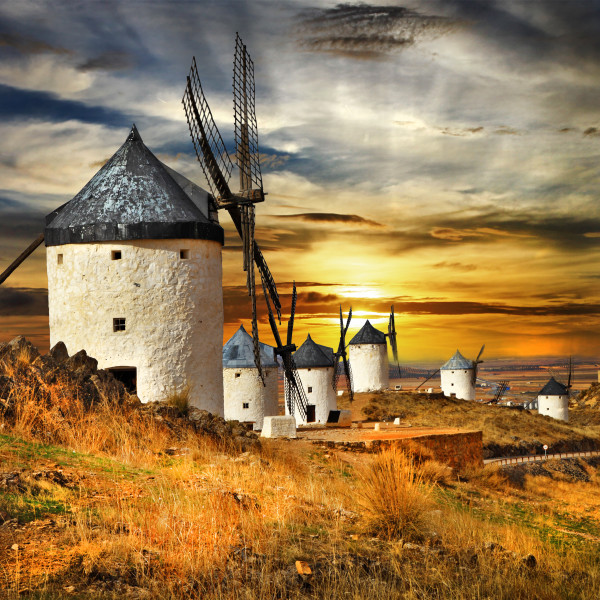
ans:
(312, 355)
(368, 335)
(238, 352)
(553, 388)
(458, 361)
(131, 197)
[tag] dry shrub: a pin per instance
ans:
(489, 476)
(53, 415)
(433, 471)
(394, 495)
(180, 401)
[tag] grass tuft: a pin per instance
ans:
(394, 495)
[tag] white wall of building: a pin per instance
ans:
(556, 407)
(370, 367)
(245, 397)
(459, 382)
(173, 311)
(316, 382)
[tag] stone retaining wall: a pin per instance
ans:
(457, 450)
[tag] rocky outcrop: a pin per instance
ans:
(590, 398)
(24, 371)
(74, 385)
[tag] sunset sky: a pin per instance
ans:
(440, 156)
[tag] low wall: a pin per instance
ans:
(458, 450)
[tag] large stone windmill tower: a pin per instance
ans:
(369, 360)
(315, 366)
(247, 397)
(134, 277)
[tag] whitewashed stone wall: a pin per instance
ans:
(459, 382)
(370, 367)
(556, 407)
(316, 382)
(243, 387)
(173, 312)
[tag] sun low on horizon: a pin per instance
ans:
(438, 157)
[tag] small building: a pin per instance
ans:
(553, 400)
(245, 398)
(315, 368)
(134, 278)
(367, 352)
(457, 378)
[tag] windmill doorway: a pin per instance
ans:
(127, 376)
(310, 413)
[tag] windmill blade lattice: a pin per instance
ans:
(208, 143)
(246, 129)
(217, 167)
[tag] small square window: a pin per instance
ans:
(309, 390)
(119, 324)
(59, 259)
(115, 255)
(184, 254)
(245, 404)
(237, 374)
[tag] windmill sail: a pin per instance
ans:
(341, 353)
(476, 362)
(246, 130)
(217, 167)
(17, 262)
(295, 396)
(208, 143)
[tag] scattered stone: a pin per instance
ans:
(303, 568)
(529, 561)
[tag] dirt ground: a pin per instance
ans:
(367, 432)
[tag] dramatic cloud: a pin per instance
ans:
(29, 45)
(331, 218)
(111, 60)
(455, 266)
(366, 31)
(23, 301)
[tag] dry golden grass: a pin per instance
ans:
(217, 524)
(500, 425)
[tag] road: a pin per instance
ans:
(512, 460)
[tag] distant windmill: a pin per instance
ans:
(341, 353)
(217, 167)
(500, 391)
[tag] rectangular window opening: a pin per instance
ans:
(309, 390)
(184, 254)
(237, 374)
(119, 324)
(59, 259)
(115, 255)
(245, 404)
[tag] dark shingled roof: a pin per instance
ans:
(368, 335)
(238, 352)
(132, 197)
(311, 354)
(553, 388)
(457, 362)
